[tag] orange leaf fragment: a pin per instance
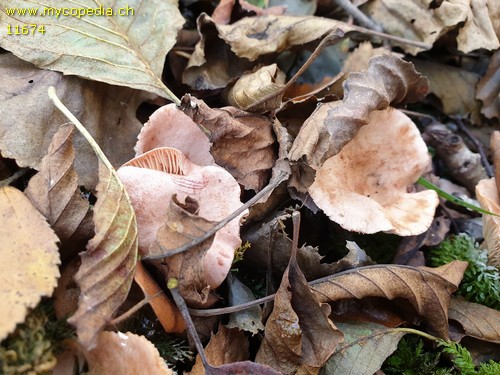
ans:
(30, 258)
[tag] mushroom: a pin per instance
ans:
(364, 187)
(153, 178)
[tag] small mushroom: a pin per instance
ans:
(153, 178)
(364, 187)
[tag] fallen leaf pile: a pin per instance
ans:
(247, 177)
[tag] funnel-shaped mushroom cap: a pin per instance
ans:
(152, 179)
(364, 187)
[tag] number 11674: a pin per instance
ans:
(30, 29)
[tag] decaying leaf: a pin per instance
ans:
(30, 259)
(121, 50)
(107, 111)
(54, 190)
(478, 321)
(364, 350)
(427, 289)
(364, 187)
(252, 87)
(223, 11)
(168, 126)
(125, 354)
(298, 332)
(452, 86)
(488, 88)
(153, 178)
(388, 81)
(204, 266)
(249, 319)
(168, 314)
(242, 143)
(108, 264)
(227, 346)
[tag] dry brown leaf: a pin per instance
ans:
(54, 190)
(168, 126)
(252, 87)
(227, 346)
(364, 187)
(298, 332)
(478, 321)
(479, 32)
(427, 289)
(225, 52)
(167, 312)
(242, 143)
(488, 88)
(415, 20)
(153, 178)
(125, 354)
(488, 196)
(108, 264)
(388, 81)
(107, 111)
(453, 87)
(30, 259)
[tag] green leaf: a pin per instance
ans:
(443, 194)
(124, 50)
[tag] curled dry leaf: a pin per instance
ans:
(227, 346)
(427, 289)
(366, 347)
(167, 312)
(388, 81)
(222, 13)
(168, 126)
(298, 332)
(153, 178)
(488, 88)
(243, 143)
(478, 321)
(364, 187)
(252, 87)
(123, 51)
(30, 259)
(108, 265)
(125, 354)
(54, 190)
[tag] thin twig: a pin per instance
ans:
(479, 146)
(220, 224)
(418, 114)
(231, 309)
(139, 305)
(394, 38)
(358, 15)
(173, 286)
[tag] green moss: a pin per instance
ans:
(481, 282)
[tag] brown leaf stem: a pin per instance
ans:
(134, 309)
(168, 253)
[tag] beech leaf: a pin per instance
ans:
(118, 49)
(125, 354)
(427, 289)
(478, 321)
(364, 350)
(54, 190)
(30, 258)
